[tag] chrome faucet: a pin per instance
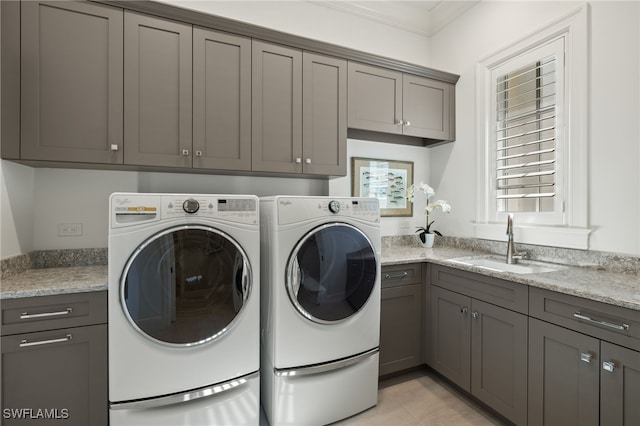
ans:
(512, 255)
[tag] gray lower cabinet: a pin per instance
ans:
(401, 318)
(157, 92)
(71, 82)
(387, 101)
(584, 362)
(54, 360)
(480, 346)
(221, 101)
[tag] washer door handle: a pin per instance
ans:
(295, 277)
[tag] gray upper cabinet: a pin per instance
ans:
(324, 119)
(427, 108)
(221, 101)
(71, 82)
(375, 98)
(158, 92)
(387, 101)
(276, 108)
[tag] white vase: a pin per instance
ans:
(428, 240)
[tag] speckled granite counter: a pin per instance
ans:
(51, 281)
(621, 289)
(616, 288)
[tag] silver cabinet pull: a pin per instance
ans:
(396, 276)
(307, 161)
(586, 357)
(185, 152)
(113, 147)
(298, 160)
(26, 315)
(621, 327)
(399, 122)
(198, 153)
(407, 123)
(609, 366)
(474, 314)
(464, 310)
(25, 343)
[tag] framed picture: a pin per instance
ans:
(385, 180)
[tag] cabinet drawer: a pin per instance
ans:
(397, 275)
(40, 313)
(597, 319)
(503, 293)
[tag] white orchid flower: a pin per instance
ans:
(428, 192)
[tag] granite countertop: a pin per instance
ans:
(620, 289)
(52, 281)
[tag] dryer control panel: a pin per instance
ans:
(298, 209)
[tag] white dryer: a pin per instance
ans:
(184, 309)
(320, 312)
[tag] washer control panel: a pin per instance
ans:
(334, 206)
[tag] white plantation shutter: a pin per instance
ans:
(526, 150)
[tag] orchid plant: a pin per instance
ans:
(428, 192)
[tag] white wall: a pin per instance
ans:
(16, 209)
(614, 110)
(387, 151)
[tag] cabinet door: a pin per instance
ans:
(221, 101)
(375, 99)
(62, 371)
(564, 376)
(451, 336)
(324, 120)
(499, 359)
(426, 108)
(276, 108)
(619, 386)
(71, 82)
(157, 82)
(400, 328)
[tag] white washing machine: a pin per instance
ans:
(320, 312)
(184, 309)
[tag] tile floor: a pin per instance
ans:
(421, 398)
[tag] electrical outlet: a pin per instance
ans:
(69, 229)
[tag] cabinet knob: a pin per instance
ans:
(464, 310)
(114, 147)
(586, 357)
(185, 152)
(198, 153)
(609, 366)
(307, 161)
(399, 122)
(474, 314)
(298, 160)
(407, 123)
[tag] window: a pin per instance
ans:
(532, 137)
(526, 141)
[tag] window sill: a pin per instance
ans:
(574, 238)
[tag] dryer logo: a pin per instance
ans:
(285, 203)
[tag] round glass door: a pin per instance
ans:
(331, 273)
(186, 285)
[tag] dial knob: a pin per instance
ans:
(191, 206)
(334, 206)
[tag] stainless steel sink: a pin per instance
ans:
(523, 267)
